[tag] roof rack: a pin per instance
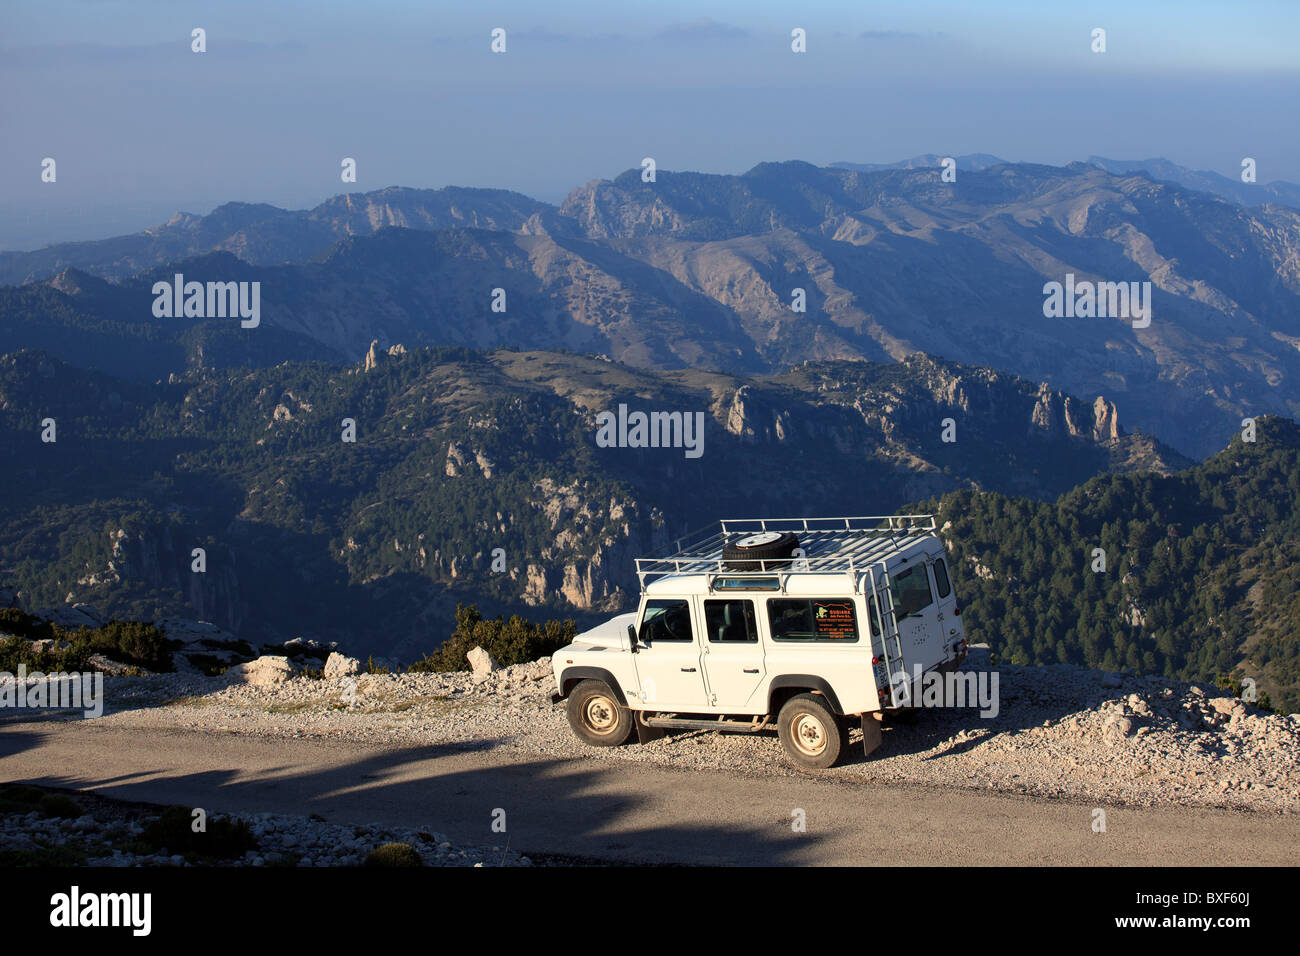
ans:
(830, 545)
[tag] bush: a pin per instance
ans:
(16, 650)
(14, 621)
(129, 642)
(394, 854)
(516, 641)
(292, 651)
(59, 805)
(223, 839)
(209, 664)
(20, 798)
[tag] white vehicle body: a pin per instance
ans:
(854, 615)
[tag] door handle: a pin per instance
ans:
(751, 670)
(688, 670)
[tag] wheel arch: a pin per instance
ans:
(571, 677)
(782, 688)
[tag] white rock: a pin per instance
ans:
(263, 672)
(481, 662)
(339, 665)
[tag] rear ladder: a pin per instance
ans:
(900, 688)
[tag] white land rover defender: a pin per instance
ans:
(808, 621)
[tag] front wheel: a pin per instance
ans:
(596, 716)
(812, 735)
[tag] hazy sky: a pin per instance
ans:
(141, 127)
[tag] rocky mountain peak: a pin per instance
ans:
(374, 356)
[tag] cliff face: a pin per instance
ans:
(159, 558)
(477, 478)
(1055, 413)
(900, 413)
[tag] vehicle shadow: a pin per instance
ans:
(565, 809)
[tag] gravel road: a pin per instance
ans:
(1183, 774)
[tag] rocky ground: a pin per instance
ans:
(1060, 732)
(51, 828)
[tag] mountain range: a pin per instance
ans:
(701, 271)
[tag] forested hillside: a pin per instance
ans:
(474, 477)
(1202, 568)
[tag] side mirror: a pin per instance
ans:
(631, 636)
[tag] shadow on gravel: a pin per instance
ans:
(552, 808)
(15, 742)
(1018, 710)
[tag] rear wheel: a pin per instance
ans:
(596, 716)
(812, 735)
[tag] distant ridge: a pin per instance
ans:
(1234, 190)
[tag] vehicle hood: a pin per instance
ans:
(613, 633)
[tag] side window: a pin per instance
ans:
(818, 619)
(730, 622)
(873, 612)
(911, 591)
(666, 620)
(941, 579)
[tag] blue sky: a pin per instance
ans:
(142, 127)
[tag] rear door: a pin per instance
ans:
(733, 655)
(951, 631)
(668, 665)
(917, 615)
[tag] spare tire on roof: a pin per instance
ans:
(749, 551)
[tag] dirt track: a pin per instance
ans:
(623, 811)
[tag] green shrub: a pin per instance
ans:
(223, 839)
(16, 650)
(20, 798)
(136, 643)
(59, 805)
(14, 621)
(294, 650)
(516, 641)
(394, 854)
(130, 642)
(209, 664)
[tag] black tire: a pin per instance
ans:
(747, 551)
(596, 716)
(812, 735)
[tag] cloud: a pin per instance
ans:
(896, 35)
(704, 28)
(51, 54)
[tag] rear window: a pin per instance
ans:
(911, 591)
(941, 578)
(730, 622)
(830, 620)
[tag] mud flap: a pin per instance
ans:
(871, 738)
(644, 732)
